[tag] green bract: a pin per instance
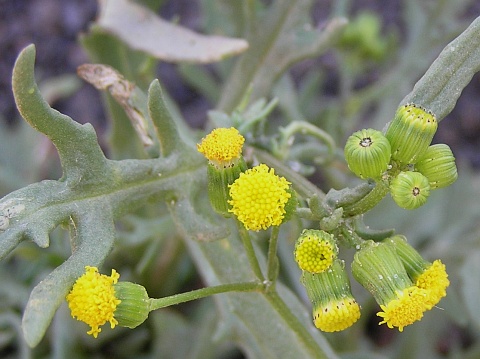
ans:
(438, 165)
(367, 153)
(219, 180)
(410, 190)
(334, 308)
(411, 132)
(134, 307)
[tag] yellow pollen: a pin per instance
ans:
(336, 315)
(407, 308)
(258, 198)
(314, 254)
(92, 299)
(435, 281)
(222, 146)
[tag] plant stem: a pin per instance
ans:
(305, 128)
(368, 202)
(252, 257)
(295, 325)
(272, 259)
(306, 213)
(157, 303)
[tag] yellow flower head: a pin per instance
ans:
(258, 198)
(435, 281)
(379, 268)
(406, 309)
(222, 146)
(315, 250)
(432, 277)
(336, 315)
(92, 299)
(334, 308)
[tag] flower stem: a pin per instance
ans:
(272, 259)
(368, 202)
(157, 303)
(252, 257)
(305, 213)
(295, 325)
(305, 128)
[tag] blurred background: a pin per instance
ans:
(357, 83)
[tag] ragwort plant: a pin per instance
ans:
(232, 193)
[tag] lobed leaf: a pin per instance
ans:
(91, 194)
(95, 234)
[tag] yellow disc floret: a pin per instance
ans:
(435, 281)
(406, 309)
(337, 315)
(258, 198)
(315, 250)
(92, 299)
(222, 146)
(432, 277)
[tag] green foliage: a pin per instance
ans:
(144, 210)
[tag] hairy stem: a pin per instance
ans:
(204, 292)
(272, 259)
(252, 257)
(368, 202)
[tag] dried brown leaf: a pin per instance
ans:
(106, 78)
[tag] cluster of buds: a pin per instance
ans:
(403, 156)
(403, 284)
(401, 281)
(257, 197)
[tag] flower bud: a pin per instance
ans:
(411, 132)
(134, 307)
(438, 165)
(431, 277)
(334, 308)
(222, 146)
(410, 190)
(223, 149)
(367, 153)
(315, 250)
(378, 268)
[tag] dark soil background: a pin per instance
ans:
(53, 25)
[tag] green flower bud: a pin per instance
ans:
(431, 277)
(411, 132)
(378, 268)
(223, 149)
(438, 165)
(410, 190)
(334, 308)
(134, 306)
(367, 153)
